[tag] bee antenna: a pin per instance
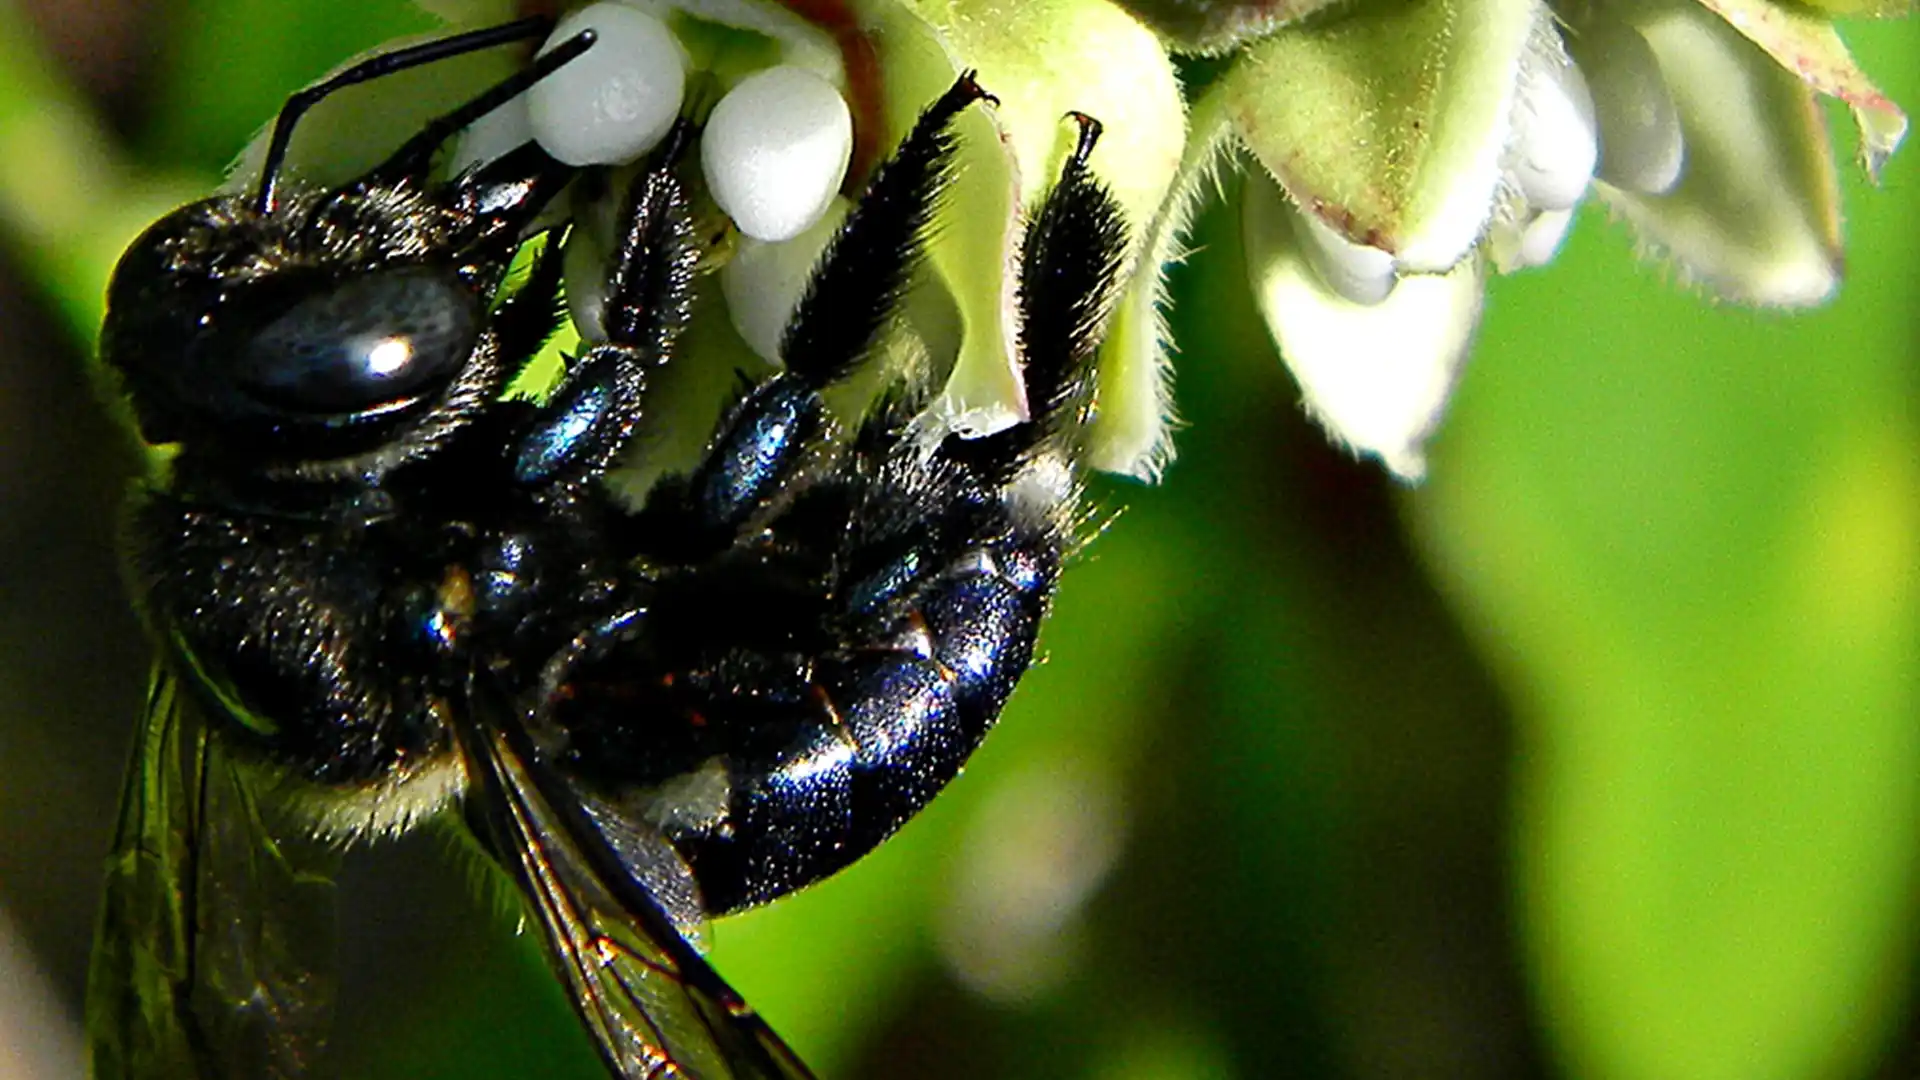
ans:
(414, 154)
(387, 64)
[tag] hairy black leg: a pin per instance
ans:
(1070, 259)
(864, 273)
(577, 433)
(528, 319)
(650, 286)
(1068, 263)
(854, 290)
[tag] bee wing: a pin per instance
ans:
(654, 1007)
(214, 950)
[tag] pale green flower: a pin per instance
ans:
(1412, 148)
(1400, 151)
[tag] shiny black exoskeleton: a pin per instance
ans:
(388, 587)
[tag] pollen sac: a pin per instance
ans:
(775, 150)
(619, 100)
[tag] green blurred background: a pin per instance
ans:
(1593, 757)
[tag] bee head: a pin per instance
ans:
(344, 325)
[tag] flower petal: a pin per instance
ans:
(1377, 376)
(1131, 433)
(801, 42)
(1389, 121)
(1642, 148)
(1043, 58)
(1806, 44)
(1756, 215)
(1555, 141)
(1217, 26)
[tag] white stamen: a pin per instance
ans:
(617, 100)
(1555, 143)
(1360, 273)
(1641, 147)
(775, 150)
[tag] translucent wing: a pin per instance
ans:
(653, 1006)
(215, 942)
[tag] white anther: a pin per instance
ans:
(1641, 147)
(1555, 143)
(1360, 273)
(763, 282)
(775, 150)
(619, 98)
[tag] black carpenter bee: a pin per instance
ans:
(382, 589)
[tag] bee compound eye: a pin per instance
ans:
(373, 340)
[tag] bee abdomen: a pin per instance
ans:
(894, 724)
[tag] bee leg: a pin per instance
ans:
(945, 564)
(536, 311)
(575, 436)
(864, 274)
(763, 441)
(1070, 260)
